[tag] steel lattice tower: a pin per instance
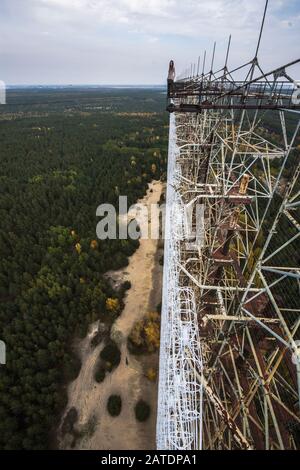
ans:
(229, 357)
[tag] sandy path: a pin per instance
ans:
(90, 398)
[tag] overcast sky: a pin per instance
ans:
(131, 41)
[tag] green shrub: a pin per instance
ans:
(142, 411)
(126, 285)
(111, 354)
(69, 421)
(100, 373)
(109, 358)
(114, 405)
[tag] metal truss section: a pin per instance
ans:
(179, 423)
(229, 357)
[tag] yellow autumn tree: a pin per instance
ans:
(94, 244)
(152, 335)
(151, 374)
(136, 336)
(144, 337)
(112, 305)
(78, 248)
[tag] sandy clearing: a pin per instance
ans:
(90, 398)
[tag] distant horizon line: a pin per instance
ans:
(91, 85)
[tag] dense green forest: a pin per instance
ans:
(62, 153)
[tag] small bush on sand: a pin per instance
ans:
(109, 358)
(126, 285)
(100, 373)
(114, 405)
(111, 355)
(142, 411)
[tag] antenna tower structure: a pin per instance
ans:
(229, 356)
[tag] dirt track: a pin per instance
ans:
(128, 380)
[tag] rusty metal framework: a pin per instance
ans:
(229, 357)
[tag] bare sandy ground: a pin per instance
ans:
(127, 380)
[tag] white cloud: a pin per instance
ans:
(142, 35)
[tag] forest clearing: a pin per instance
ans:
(128, 379)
